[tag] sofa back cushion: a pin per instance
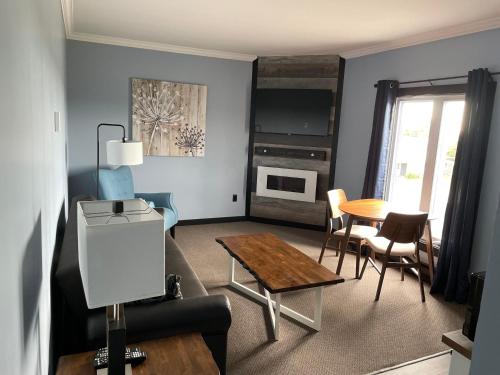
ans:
(116, 184)
(67, 273)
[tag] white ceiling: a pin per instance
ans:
(243, 29)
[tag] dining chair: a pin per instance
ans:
(399, 237)
(358, 235)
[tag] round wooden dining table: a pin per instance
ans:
(376, 210)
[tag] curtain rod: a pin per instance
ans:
(430, 80)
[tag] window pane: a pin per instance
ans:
(409, 154)
(451, 122)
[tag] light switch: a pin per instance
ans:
(57, 122)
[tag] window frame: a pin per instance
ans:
(438, 98)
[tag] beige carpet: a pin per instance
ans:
(358, 335)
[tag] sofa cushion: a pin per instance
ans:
(176, 263)
(78, 329)
(67, 272)
(68, 269)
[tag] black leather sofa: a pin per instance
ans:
(77, 329)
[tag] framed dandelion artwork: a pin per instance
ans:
(169, 117)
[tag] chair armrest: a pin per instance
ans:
(160, 200)
(209, 315)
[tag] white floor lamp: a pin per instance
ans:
(119, 152)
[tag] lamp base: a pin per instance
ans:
(104, 371)
(116, 338)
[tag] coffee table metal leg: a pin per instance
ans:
(276, 309)
(231, 269)
(277, 314)
(274, 312)
(318, 307)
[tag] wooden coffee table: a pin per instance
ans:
(279, 268)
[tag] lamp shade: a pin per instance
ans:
(124, 153)
(121, 252)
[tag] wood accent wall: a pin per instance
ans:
(296, 72)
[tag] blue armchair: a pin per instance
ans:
(116, 184)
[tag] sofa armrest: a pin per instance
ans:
(160, 200)
(209, 315)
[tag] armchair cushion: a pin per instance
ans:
(165, 201)
(116, 184)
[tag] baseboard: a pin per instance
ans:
(212, 220)
(287, 223)
(405, 364)
(233, 219)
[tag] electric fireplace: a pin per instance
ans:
(283, 183)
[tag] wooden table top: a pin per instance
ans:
(459, 342)
(278, 266)
(370, 209)
(373, 209)
(176, 355)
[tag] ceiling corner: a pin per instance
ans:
(67, 13)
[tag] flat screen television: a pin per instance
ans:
(291, 111)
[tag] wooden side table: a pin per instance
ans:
(176, 355)
(461, 353)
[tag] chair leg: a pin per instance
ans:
(172, 231)
(358, 258)
(325, 242)
(382, 275)
(364, 266)
(402, 269)
(422, 292)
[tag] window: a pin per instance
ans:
(423, 147)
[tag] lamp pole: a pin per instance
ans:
(124, 139)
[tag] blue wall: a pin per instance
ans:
(444, 58)
(485, 353)
(98, 78)
(33, 177)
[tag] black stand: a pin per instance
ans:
(98, 144)
(116, 338)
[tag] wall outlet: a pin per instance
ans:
(235, 197)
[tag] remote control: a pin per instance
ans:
(134, 356)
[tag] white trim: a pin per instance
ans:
(432, 151)
(159, 46)
(409, 363)
(427, 37)
(431, 36)
(67, 12)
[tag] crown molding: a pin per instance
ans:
(159, 46)
(67, 11)
(427, 37)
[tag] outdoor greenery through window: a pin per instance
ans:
(423, 147)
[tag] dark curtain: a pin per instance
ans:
(456, 244)
(387, 92)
